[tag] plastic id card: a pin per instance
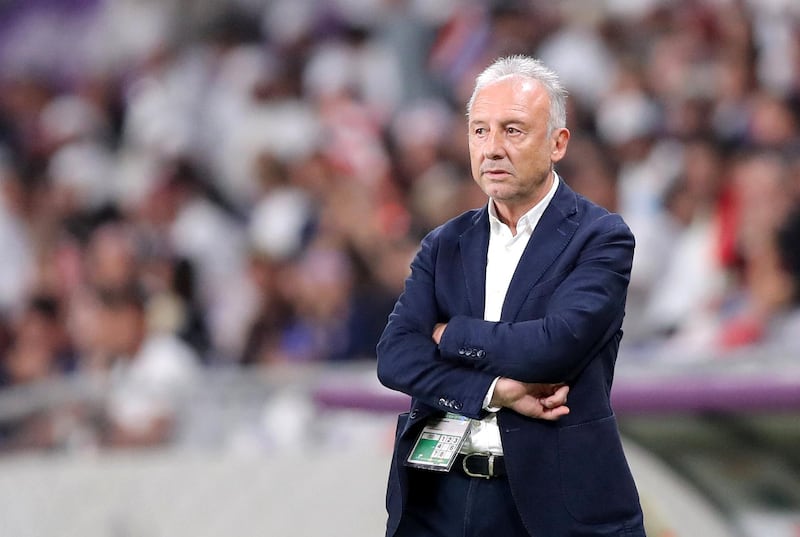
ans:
(439, 443)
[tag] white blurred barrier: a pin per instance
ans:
(171, 494)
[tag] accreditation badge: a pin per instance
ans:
(439, 443)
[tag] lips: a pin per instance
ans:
(496, 172)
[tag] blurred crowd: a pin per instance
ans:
(199, 183)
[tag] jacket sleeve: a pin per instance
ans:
(584, 311)
(408, 358)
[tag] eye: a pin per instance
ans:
(479, 131)
(513, 130)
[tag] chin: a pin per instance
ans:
(499, 192)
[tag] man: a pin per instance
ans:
(507, 309)
(151, 372)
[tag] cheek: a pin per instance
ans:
(474, 149)
(475, 158)
(533, 157)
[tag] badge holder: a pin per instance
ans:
(439, 443)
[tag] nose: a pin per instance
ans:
(493, 148)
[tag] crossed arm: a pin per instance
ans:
(535, 400)
(531, 359)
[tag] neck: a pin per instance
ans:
(510, 211)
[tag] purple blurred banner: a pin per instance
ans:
(658, 393)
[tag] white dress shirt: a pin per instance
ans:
(505, 250)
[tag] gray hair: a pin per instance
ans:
(528, 67)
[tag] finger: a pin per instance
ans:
(557, 399)
(555, 413)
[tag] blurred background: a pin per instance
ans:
(208, 208)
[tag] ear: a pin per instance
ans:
(560, 140)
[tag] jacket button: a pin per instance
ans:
(462, 352)
(414, 414)
(443, 401)
(457, 405)
(481, 353)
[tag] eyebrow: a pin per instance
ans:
(503, 122)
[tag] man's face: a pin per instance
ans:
(510, 150)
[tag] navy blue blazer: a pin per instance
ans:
(561, 322)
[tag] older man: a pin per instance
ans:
(508, 309)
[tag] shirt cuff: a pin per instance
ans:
(488, 399)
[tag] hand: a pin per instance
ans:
(543, 401)
(438, 330)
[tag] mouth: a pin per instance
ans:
(496, 173)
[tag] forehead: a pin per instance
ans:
(514, 95)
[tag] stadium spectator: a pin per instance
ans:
(149, 372)
(38, 350)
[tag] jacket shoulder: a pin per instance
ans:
(588, 212)
(457, 225)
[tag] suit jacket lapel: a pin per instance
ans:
(474, 247)
(551, 236)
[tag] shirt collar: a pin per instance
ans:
(527, 221)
